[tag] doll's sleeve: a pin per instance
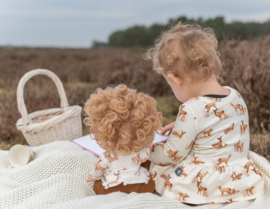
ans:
(98, 169)
(180, 140)
(145, 153)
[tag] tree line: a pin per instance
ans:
(142, 36)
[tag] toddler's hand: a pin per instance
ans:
(169, 127)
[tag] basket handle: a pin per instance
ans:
(20, 90)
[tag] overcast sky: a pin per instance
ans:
(67, 23)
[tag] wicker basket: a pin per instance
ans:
(49, 125)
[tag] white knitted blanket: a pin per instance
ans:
(57, 179)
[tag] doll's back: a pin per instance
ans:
(125, 169)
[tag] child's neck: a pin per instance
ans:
(211, 86)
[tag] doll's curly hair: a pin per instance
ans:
(121, 119)
(187, 51)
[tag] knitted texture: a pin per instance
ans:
(57, 179)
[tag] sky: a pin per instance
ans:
(77, 23)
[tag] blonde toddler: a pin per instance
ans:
(205, 159)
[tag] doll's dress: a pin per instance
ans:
(114, 169)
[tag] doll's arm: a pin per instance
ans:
(179, 142)
(98, 169)
(145, 153)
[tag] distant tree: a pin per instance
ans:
(134, 36)
(116, 38)
(98, 44)
(153, 32)
(145, 36)
(218, 25)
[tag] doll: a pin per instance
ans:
(123, 123)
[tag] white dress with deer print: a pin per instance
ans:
(115, 169)
(205, 159)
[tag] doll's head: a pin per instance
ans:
(186, 51)
(121, 119)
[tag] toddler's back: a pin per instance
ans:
(222, 128)
(208, 153)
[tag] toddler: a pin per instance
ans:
(123, 123)
(205, 159)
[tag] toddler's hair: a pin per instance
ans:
(121, 119)
(187, 51)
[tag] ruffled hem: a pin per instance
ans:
(255, 196)
(128, 178)
(125, 182)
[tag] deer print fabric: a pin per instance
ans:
(210, 146)
(115, 169)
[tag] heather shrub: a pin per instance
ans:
(246, 67)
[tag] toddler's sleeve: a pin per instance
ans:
(180, 140)
(99, 168)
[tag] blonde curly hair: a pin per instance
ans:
(121, 119)
(187, 51)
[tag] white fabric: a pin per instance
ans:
(114, 169)
(209, 144)
(56, 179)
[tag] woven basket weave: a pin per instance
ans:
(48, 125)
